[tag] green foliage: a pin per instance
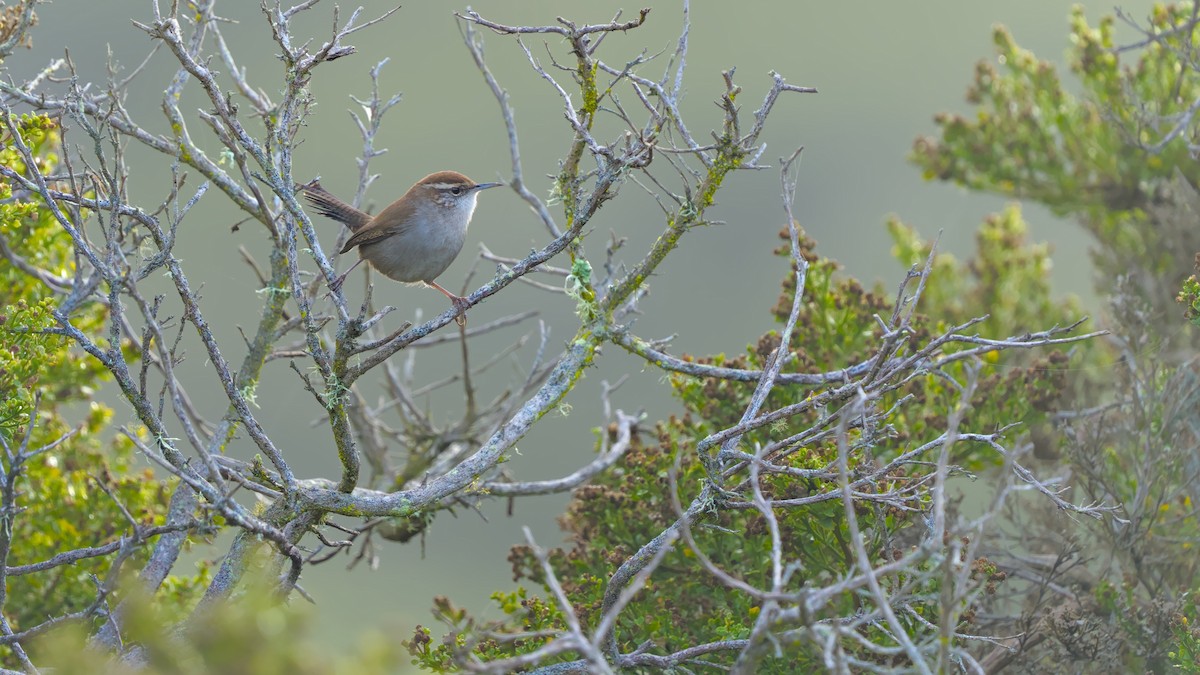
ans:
(1110, 159)
(622, 509)
(1140, 455)
(28, 350)
(1030, 138)
(254, 634)
(530, 615)
(62, 497)
(1101, 157)
(1009, 278)
(1184, 655)
(1189, 295)
(27, 353)
(1145, 632)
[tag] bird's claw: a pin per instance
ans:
(461, 305)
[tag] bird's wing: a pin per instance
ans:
(398, 224)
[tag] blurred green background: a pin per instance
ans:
(883, 70)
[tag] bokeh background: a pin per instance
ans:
(883, 71)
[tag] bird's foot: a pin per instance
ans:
(461, 305)
(337, 283)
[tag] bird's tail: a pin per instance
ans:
(332, 207)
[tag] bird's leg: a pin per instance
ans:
(337, 283)
(460, 303)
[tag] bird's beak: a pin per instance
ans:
(484, 186)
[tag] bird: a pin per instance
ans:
(416, 237)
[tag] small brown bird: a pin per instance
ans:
(415, 238)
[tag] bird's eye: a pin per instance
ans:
(457, 191)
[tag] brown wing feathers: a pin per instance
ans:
(365, 237)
